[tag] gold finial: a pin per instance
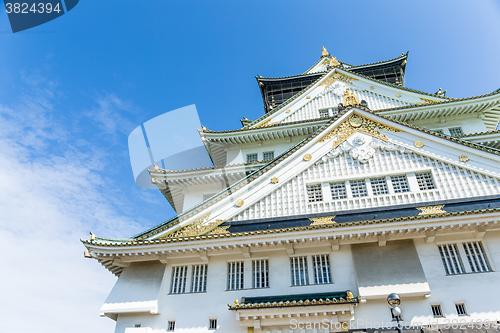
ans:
(334, 62)
(324, 52)
(92, 236)
(236, 302)
(349, 294)
(203, 128)
(441, 93)
(463, 158)
(156, 167)
(350, 98)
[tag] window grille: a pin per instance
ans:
(252, 158)
(199, 279)
(379, 186)
(212, 324)
(179, 277)
(456, 131)
(260, 273)
(137, 325)
(268, 155)
(461, 311)
(324, 113)
(321, 265)
(314, 193)
(171, 326)
(425, 181)
(300, 277)
(338, 191)
(451, 259)
(208, 196)
(476, 257)
(358, 188)
(436, 310)
(235, 275)
(400, 184)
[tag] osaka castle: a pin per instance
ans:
(350, 187)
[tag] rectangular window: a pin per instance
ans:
(358, 188)
(461, 310)
(338, 191)
(436, 310)
(212, 324)
(235, 275)
(252, 158)
(400, 184)
(476, 257)
(314, 193)
(379, 186)
(260, 273)
(171, 326)
(324, 113)
(456, 131)
(451, 259)
(425, 181)
(199, 279)
(179, 277)
(321, 265)
(300, 277)
(268, 155)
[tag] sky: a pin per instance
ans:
(73, 89)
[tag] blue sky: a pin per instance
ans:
(72, 90)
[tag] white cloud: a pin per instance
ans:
(51, 195)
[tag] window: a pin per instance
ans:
(137, 325)
(208, 196)
(171, 326)
(425, 181)
(252, 158)
(260, 273)
(235, 275)
(461, 310)
(451, 259)
(379, 186)
(338, 191)
(436, 310)
(324, 113)
(179, 277)
(476, 257)
(268, 155)
(300, 276)
(314, 193)
(358, 188)
(321, 265)
(400, 184)
(456, 131)
(212, 324)
(199, 278)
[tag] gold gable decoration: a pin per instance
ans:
(323, 220)
(337, 77)
(429, 210)
(196, 228)
(354, 124)
(219, 230)
(350, 98)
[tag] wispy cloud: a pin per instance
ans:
(49, 198)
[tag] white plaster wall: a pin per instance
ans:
(469, 123)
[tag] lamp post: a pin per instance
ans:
(394, 301)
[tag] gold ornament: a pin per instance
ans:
(372, 87)
(350, 98)
(355, 122)
(308, 96)
(334, 62)
(195, 228)
(307, 157)
(419, 144)
(274, 180)
(288, 111)
(239, 203)
(463, 158)
(398, 95)
(322, 220)
(324, 52)
(428, 210)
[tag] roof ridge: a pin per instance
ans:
(266, 126)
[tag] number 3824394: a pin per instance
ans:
(24, 8)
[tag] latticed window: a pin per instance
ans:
(268, 155)
(179, 277)
(324, 113)
(212, 324)
(358, 188)
(199, 279)
(300, 276)
(476, 257)
(321, 266)
(252, 158)
(314, 193)
(425, 181)
(461, 310)
(338, 191)
(379, 186)
(456, 131)
(400, 184)
(260, 273)
(171, 326)
(451, 259)
(235, 275)
(436, 310)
